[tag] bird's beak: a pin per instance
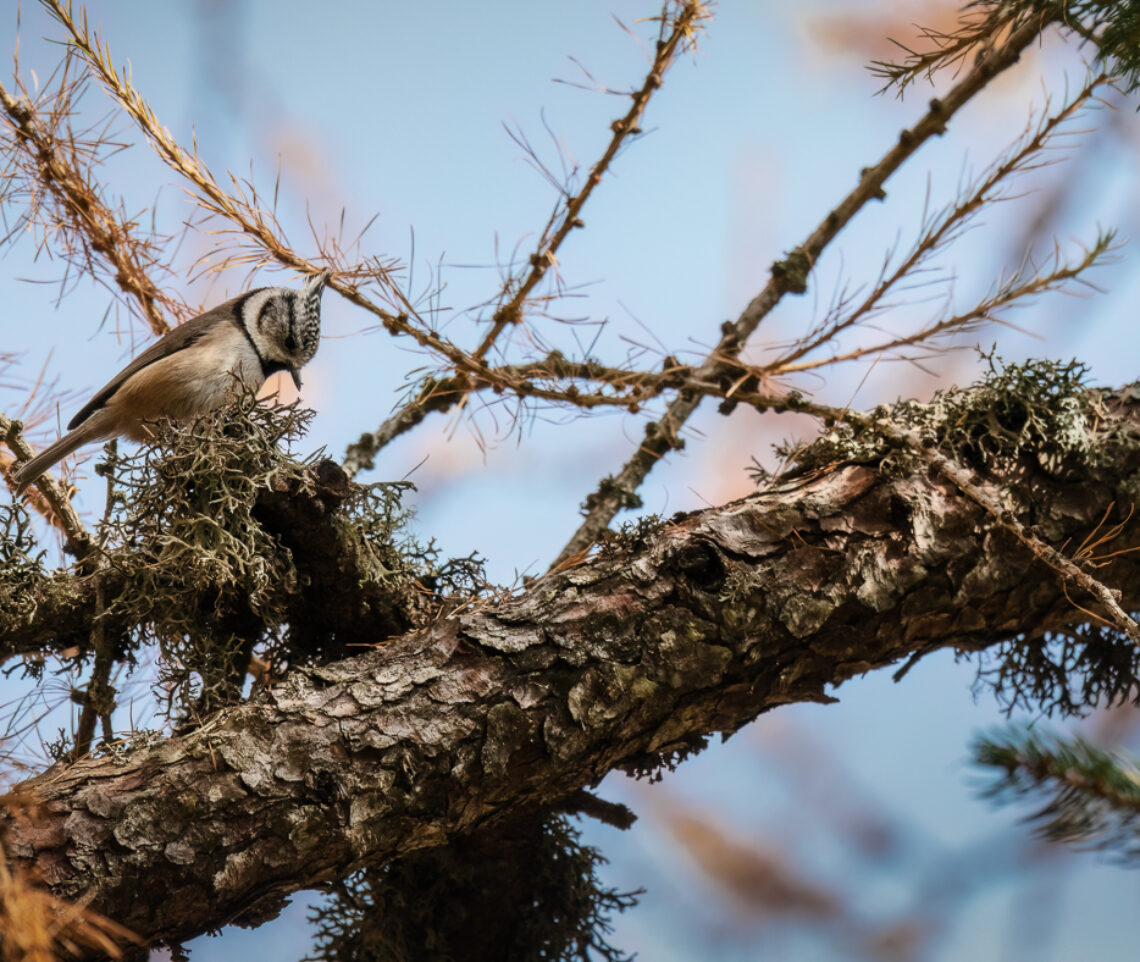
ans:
(296, 377)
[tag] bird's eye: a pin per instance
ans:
(290, 344)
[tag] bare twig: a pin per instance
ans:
(677, 32)
(97, 56)
(937, 234)
(789, 275)
(61, 514)
(1016, 289)
(681, 27)
(99, 699)
(259, 227)
(555, 378)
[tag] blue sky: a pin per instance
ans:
(398, 109)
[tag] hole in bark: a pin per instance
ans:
(701, 565)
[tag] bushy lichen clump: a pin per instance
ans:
(186, 528)
(1040, 414)
(200, 557)
(203, 579)
(527, 889)
(630, 537)
(1043, 409)
(21, 562)
(1039, 409)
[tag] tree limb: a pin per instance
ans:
(625, 661)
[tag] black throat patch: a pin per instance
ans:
(267, 367)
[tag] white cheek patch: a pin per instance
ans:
(253, 307)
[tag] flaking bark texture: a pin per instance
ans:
(691, 629)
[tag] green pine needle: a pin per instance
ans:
(1092, 796)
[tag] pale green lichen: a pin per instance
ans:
(21, 563)
(804, 615)
(1040, 409)
(204, 579)
(203, 569)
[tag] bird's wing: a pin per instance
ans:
(170, 343)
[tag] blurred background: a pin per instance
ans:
(848, 831)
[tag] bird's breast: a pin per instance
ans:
(187, 383)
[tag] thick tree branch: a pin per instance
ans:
(664, 638)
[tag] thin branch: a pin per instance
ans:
(443, 394)
(631, 389)
(1014, 290)
(941, 231)
(517, 288)
(546, 378)
(77, 540)
(683, 25)
(789, 275)
(99, 699)
(622, 387)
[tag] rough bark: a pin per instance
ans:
(692, 629)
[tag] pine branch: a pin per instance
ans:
(65, 202)
(1092, 796)
(1112, 26)
(979, 29)
(1109, 25)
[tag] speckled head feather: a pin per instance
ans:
(284, 325)
(309, 316)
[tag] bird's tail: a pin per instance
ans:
(27, 473)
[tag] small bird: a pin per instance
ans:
(190, 369)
